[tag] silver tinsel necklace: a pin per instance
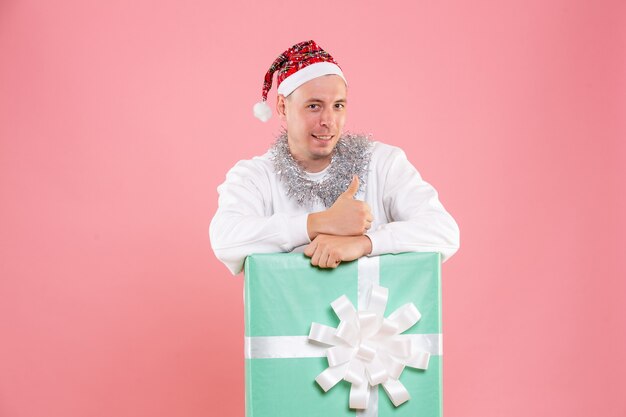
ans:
(351, 156)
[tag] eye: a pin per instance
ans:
(339, 105)
(313, 106)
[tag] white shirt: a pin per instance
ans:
(254, 214)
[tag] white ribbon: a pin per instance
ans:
(282, 347)
(367, 349)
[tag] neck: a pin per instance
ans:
(313, 166)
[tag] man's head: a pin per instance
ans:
(311, 100)
(315, 114)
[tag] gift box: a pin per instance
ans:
(285, 295)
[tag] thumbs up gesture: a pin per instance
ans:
(352, 189)
(346, 217)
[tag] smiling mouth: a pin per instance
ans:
(322, 137)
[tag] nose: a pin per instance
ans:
(327, 117)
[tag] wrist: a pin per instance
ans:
(367, 244)
(314, 224)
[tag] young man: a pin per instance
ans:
(333, 195)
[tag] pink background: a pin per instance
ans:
(119, 119)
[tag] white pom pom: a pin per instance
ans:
(262, 111)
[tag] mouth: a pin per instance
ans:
(323, 137)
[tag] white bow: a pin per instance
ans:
(368, 349)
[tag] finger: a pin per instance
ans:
(324, 258)
(315, 259)
(329, 262)
(352, 188)
(310, 249)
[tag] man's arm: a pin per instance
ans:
(418, 220)
(241, 226)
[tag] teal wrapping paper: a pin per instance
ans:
(284, 294)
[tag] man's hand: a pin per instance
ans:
(346, 217)
(327, 251)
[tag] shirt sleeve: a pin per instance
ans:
(241, 225)
(418, 222)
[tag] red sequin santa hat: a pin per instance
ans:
(302, 62)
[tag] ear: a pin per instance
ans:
(281, 105)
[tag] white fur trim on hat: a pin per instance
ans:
(308, 73)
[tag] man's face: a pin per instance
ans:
(315, 114)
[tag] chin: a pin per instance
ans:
(321, 153)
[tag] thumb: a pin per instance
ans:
(353, 187)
